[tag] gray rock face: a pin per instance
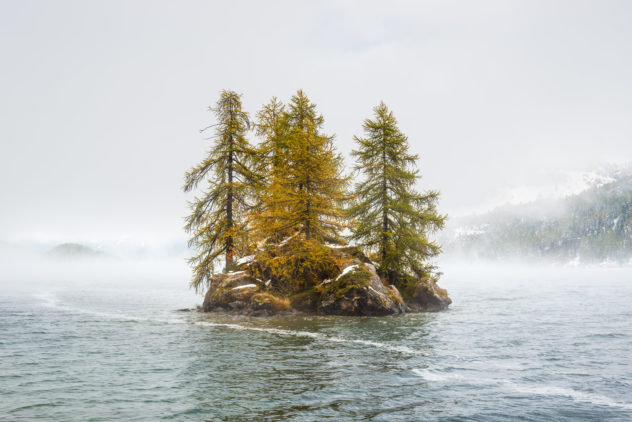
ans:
(357, 290)
(429, 297)
(231, 291)
(361, 292)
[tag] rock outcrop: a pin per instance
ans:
(229, 291)
(240, 293)
(358, 290)
(428, 297)
(355, 289)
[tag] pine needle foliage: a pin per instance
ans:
(271, 127)
(392, 220)
(286, 197)
(304, 183)
(217, 222)
(300, 202)
(296, 265)
(271, 158)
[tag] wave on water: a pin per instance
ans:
(538, 390)
(436, 376)
(578, 396)
(51, 301)
(316, 336)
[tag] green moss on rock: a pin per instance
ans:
(275, 303)
(306, 300)
(358, 278)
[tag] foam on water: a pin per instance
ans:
(578, 396)
(552, 352)
(315, 336)
(51, 301)
(436, 376)
(537, 389)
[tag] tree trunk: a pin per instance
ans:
(308, 228)
(229, 203)
(384, 207)
(229, 214)
(389, 273)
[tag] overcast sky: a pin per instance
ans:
(101, 102)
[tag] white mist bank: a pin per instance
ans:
(24, 270)
(461, 276)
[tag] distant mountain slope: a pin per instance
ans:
(74, 250)
(592, 226)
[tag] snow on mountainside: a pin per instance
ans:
(563, 184)
(586, 218)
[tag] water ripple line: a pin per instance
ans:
(51, 301)
(537, 390)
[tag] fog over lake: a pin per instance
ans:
(520, 115)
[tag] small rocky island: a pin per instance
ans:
(351, 288)
(294, 233)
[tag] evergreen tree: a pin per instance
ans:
(300, 206)
(305, 186)
(270, 160)
(392, 220)
(216, 223)
(271, 127)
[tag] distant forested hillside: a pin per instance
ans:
(592, 226)
(74, 250)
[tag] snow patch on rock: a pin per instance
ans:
(347, 270)
(245, 286)
(245, 260)
(334, 246)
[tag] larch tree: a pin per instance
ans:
(305, 182)
(300, 206)
(392, 220)
(270, 126)
(217, 221)
(271, 158)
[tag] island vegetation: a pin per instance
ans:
(280, 226)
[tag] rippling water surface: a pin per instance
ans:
(517, 344)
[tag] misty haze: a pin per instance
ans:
(316, 210)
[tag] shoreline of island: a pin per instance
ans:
(352, 288)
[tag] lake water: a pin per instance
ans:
(517, 344)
